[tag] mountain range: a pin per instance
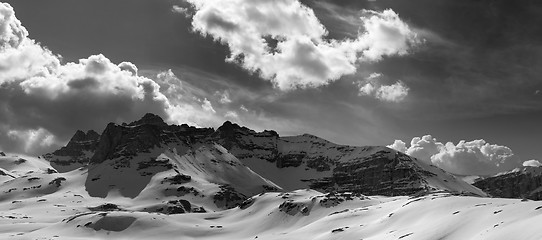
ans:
(141, 176)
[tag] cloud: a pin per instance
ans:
(181, 10)
(396, 92)
(224, 97)
(43, 101)
(207, 106)
(243, 108)
(83, 95)
(385, 35)
(475, 157)
(366, 89)
(371, 86)
(12, 33)
(532, 163)
(283, 41)
(231, 115)
(31, 140)
(398, 145)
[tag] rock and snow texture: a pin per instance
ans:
(151, 180)
(523, 182)
(125, 157)
(307, 161)
(76, 153)
(147, 159)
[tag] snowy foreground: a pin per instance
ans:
(66, 211)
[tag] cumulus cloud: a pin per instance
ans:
(396, 92)
(283, 41)
(399, 146)
(475, 157)
(43, 101)
(532, 163)
(371, 86)
(12, 33)
(366, 89)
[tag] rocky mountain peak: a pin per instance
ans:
(312, 161)
(2, 154)
(80, 138)
(80, 142)
(151, 119)
(76, 153)
(140, 136)
(229, 128)
(519, 183)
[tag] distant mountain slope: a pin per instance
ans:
(523, 182)
(307, 161)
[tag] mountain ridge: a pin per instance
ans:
(292, 162)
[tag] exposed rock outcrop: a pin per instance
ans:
(519, 183)
(322, 165)
(76, 153)
(129, 155)
(141, 149)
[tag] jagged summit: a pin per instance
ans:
(151, 119)
(79, 143)
(229, 128)
(80, 137)
(76, 153)
(292, 162)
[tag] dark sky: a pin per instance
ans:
(476, 75)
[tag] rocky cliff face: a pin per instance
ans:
(130, 157)
(519, 183)
(76, 153)
(127, 156)
(127, 140)
(309, 161)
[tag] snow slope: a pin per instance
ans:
(302, 214)
(150, 180)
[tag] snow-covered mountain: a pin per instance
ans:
(126, 156)
(523, 182)
(131, 159)
(307, 161)
(135, 179)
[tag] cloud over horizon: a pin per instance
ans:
(283, 41)
(475, 157)
(43, 100)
